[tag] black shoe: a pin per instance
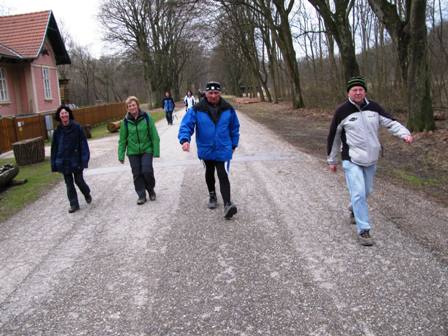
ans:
(73, 209)
(212, 201)
(229, 210)
(365, 239)
(88, 199)
(141, 201)
(152, 195)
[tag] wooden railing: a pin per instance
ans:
(13, 129)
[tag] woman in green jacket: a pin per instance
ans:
(140, 141)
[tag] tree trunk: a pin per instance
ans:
(29, 151)
(419, 81)
(410, 39)
(339, 27)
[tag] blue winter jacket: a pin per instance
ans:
(216, 135)
(168, 104)
(69, 149)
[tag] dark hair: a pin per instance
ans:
(63, 107)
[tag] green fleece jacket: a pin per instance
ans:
(136, 138)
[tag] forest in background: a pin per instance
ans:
(300, 51)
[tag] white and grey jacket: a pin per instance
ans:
(356, 128)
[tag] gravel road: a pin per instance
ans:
(287, 264)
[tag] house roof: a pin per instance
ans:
(22, 36)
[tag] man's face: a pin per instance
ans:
(213, 96)
(357, 94)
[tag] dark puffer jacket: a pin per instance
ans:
(69, 149)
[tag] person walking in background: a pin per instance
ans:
(217, 135)
(354, 134)
(140, 141)
(189, 100)
(168, 106)
(70, 155)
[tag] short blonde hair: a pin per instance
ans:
(132, 98)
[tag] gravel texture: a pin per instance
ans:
(287, 264)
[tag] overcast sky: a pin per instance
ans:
(78, 18)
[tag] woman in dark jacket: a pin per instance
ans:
(70, 155)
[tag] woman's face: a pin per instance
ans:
(133, 108)
(64, 116)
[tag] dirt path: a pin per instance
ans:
(287, 264)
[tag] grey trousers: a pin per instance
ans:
(143, 173)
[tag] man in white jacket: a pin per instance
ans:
(354, 134)
(189, 100)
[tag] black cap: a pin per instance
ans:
(213, 86)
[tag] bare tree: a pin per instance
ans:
(407, 27)
(338, 24)
(156, 31)
(243, 27)
(276, 14)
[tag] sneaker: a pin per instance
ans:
(88, 199)
(73, 209)
(229, 210)
(212, 201)
(141, 201)
(365, 239)
(152, 195)
(352, 217)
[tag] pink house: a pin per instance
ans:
(31, 47)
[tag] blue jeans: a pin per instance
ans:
(360, 185)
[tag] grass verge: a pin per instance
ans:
(39, 178)
(100, 131)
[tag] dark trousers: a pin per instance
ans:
(143, 173)
(224, 183)
(169, 117)
(70, 180)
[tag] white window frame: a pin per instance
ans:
(47, 83)
(4, 95)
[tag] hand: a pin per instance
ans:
(408, 139)
(121, 161)
(333, 168)
(186, 146)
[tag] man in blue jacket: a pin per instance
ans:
(217, 134)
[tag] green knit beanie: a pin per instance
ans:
(356, 81)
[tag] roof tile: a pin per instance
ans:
(24, 33)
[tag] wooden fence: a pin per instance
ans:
(13, 129)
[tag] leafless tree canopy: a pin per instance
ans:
(302, 51)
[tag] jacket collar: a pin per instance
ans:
(359, 107)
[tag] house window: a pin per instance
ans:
(4, 97)
(46, 78)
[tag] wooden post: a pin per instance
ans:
(113, 126)
(87, 130)
(29, 151)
